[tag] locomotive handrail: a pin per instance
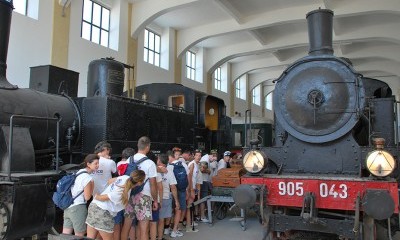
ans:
(10, 145)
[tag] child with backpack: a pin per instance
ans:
(181, 172)
(113, 199)
(75, 214)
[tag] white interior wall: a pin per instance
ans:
(30, 43)
(148, 73)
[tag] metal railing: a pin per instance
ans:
(10, 145)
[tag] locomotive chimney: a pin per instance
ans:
(320, 31)
(6, 8)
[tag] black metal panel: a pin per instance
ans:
(340, 157)
(122, 121)
(23, 152)
(52, 79)
(282, 223)
(34, 103)
(383, 127)
(93, 122)
(33, 211)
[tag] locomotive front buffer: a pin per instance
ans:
(344, 206)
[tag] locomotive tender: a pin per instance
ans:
(332, 168)
(43, 133)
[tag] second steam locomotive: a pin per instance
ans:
(42, 133)
(332, 169)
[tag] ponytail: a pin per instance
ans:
(136, 177)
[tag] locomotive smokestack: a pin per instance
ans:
(6, 8)
(320, 31)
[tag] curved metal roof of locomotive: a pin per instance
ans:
(156, 91)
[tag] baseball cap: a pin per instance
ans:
(213, 151)
(227, 153)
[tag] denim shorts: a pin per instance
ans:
(182, 200)
(155, 215)
(119, 218)
(166, 208)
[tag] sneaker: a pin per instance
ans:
(176, 234)
(204, 220)
(190, 229)
(167, 231)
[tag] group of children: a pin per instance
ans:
(168, 185)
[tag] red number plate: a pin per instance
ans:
(340, 194)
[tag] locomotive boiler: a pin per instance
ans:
(332, 169)
(42, 135)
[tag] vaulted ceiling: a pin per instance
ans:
(261, 37)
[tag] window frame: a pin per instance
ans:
(91, 24)
(25, 13)
(237, 88)
(191, 68)
(218, 79)
(270, 101)
(256, 96)
(147, 50)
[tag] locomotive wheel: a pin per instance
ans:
(4, 220)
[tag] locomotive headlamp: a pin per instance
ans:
(253, 161)
(380, 163)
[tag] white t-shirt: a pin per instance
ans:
(196, 173)
(149, 168)
(211, 165)
(222, 164)
(168, 179)
(80, 183)
(103, 174)
(114, 192)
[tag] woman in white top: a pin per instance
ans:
(113, 199)
(75, 215)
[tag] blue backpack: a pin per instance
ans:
(62, 198)
(132, 166)
(181, 176)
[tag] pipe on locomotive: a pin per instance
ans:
(320, 31)
(6, 8)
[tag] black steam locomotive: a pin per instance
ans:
(42, 133)
(332, 170)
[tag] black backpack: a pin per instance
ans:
(132, 166)
(181, 176)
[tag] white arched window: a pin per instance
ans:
(268, 101)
